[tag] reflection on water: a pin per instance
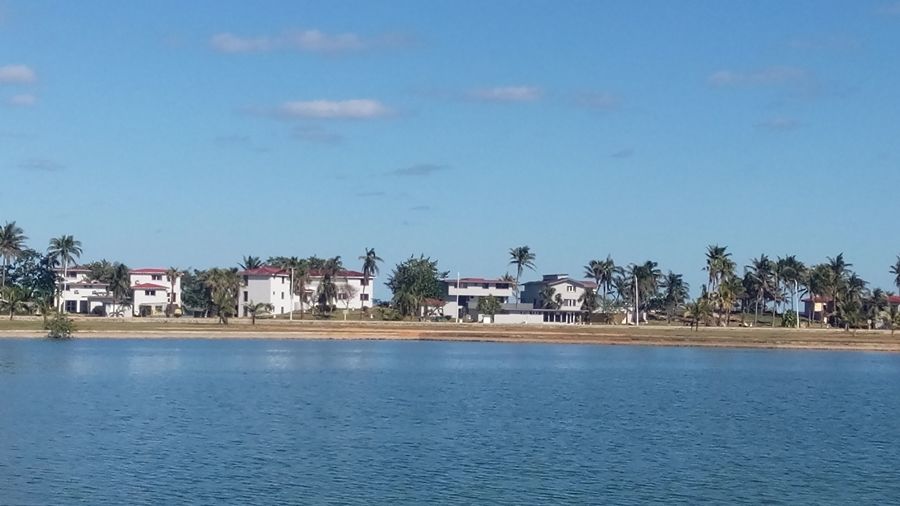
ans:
(346, 422)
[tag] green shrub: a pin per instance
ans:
(789, 319)
(60, 327)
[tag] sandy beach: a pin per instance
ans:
(651, 335)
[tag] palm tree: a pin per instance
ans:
(760, 272)
(12, 244)
(895, 270)
(172, 274)
(718, 265)
(64, 249)
(255, 308)
(793, 272)
(546, 297)
(13, 299)
(119, 284)
(250, 262)
(223, 285)
(588, 300)
(676, 292)
(602, 272)
(838, 270)
(698, 310)
(522, 258)
(370, 270)
(644, 282)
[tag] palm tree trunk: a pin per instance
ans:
(3, 273)
(756, 313)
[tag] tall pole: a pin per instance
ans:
(457, 297)
(637, 315)
(291, 313)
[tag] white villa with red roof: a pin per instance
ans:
(152, 291)
(469, 290)
(271, 285)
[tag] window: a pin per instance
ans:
(71, 306)
(72, 275)
(363, 296)
(342, 296)
(570, 302)
(245, 295)
(156, 277)
(364, 282)
(570, 288)
(502, 286)
(174, 298)
(150, 293)
(282, 280)
(485, 286)
(282, 295)
(76, 292)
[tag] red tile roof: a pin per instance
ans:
(265, 270)
(148, 270)
(148, 286)
(318, 273)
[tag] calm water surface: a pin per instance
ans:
(345, 422)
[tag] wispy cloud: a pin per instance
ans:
(312, 133)
(360, 108)
(41, 165)
(507, 94)
(598, 100)
(418, 170)
(890, 9)
(23, 100)
(622, 153)
(769, 76)
(307, 41)
(17, 74)
(778, 123)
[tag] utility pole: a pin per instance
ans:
(457, 297)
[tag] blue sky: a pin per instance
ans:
(191, 133)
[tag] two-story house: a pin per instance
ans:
(153, 291)
(78, 294)
(462, 295)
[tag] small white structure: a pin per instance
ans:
(567, 297)
(469, 291)
(153, 291)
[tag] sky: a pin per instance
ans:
(193, 133)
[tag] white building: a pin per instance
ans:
(270, 285)
(267, 285)
(469, 290)
(152, 291)
(78, 294)
(565, 295)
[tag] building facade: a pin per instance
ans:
(153, 292)
(270, 285)
(561, 297)
(467, 291)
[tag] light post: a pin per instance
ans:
(457, 298)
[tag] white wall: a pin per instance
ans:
(518, 319)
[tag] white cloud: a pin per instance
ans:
(507, 94)
(24, 100)
(17, 74)
(309, 41)
(334, 109)
(769, 76)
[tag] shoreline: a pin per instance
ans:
(609, 335)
